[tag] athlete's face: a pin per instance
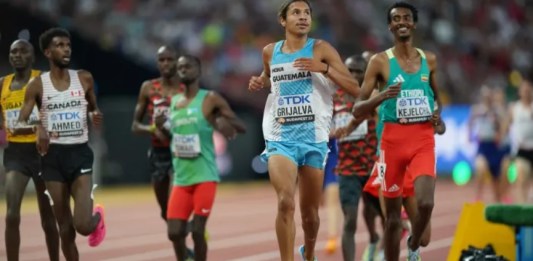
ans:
(402, 23)
(188, 70)
(167, 63)
(59, 51)
(526, 90)
(298, 19)
(21, 55)
(357, 69)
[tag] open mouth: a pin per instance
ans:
(302, 25)
(65, 59)
(403, 30)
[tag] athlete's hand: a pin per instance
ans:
(345, 131)
(256, 83)
(96, 118)
(312, 65)
(223, 126)
(392, 91)
(43, 140)
(160, 120)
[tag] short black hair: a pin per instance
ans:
(282, 13)
(403, 4)
(193, 58)
(46, 38)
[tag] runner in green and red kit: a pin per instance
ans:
(192, 117)
(409, 115)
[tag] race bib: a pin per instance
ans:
(12, 116)
(186, 146)
(65, 123)
(343, 119)
(293, 109)
(413, 109)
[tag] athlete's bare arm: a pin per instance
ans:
(219, 108)
(137, 126)
(33, 96)
(432, 63)
(259, 82)
(87, 81)
(374, 76)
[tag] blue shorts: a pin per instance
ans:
(301, 153)
(493, 154)
(331, 163)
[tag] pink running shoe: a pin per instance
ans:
(98, 235)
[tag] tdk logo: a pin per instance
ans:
(65, 116)
(293, 100)
(413, 101)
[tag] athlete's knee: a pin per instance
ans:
(425, 204)
(350, 223)
(393, 222)
(12, 218)
(48, 223)
(198, 233)
(67, 232)
(83, 226)
(286, 204)
(176, 234)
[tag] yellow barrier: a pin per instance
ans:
(474, 230)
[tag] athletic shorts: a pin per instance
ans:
(405, 147)
(493, 154)
(526, 155)
(331, 163)
(197, 199)
(160, 160)
(351, 188)
(22, 157)
(300, 153)
(374, 184)
(66, 162)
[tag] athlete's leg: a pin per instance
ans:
(350, 191)
(162, 188)
(203, 198)
(424, 193)
(482, 171)
(59, 193)
(310, 187)
(85, 221)
(523, 169)
(393, 227)
(283, 176)
(48, 220)
(371, 211)
(15, 186)
(180, 207)
(412, 211)
(504, 181)
(333, 211)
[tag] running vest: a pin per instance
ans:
(192, 142)
(300, 103)
(157, 104)
(415, 102)
(64, 113)
(523, 124)
(11, 102)
(485, 124)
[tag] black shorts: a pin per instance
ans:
(160, 160)
(526, 155)
(66, 162)
(22, 157)
(351, 188)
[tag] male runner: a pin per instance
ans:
(21, 159)
(65, 98)
(154, 99)
(411, 73)
(302, 72)
(357, 154)
(192, 117)
(521, 117)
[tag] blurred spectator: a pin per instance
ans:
(477, 41)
